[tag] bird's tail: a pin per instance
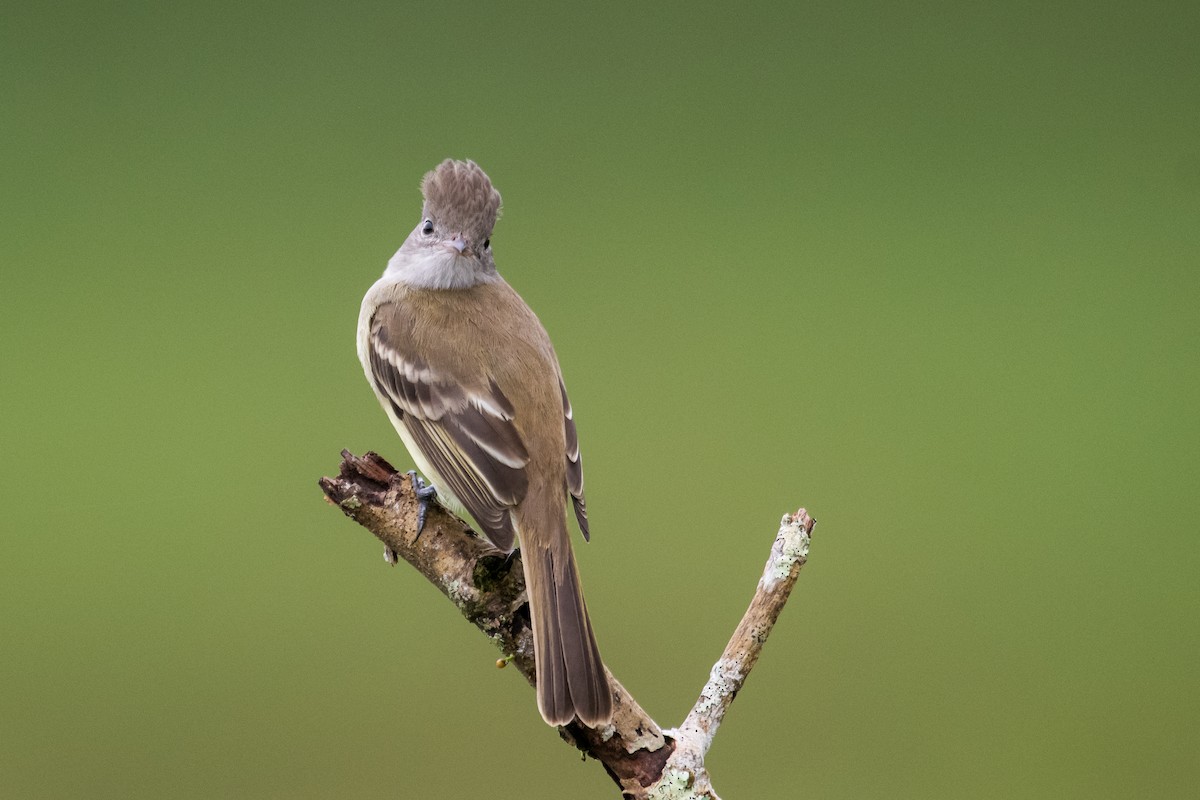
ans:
(571, 681)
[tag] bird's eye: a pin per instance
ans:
(487, 243)
(427, 228)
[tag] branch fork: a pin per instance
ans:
(646, 762)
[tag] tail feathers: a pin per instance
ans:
(571, 681)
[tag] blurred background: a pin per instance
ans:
(931, 272)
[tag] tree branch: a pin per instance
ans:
(693, 738)
(489, 589)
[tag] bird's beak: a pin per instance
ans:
(458, 244)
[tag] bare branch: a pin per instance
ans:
(489, 589)
(692, 740)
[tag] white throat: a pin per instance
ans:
(436, 268)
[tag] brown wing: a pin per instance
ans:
(465, 432)
(574, 464)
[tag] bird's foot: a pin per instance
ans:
(424, 492)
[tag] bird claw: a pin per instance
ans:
(424, 492)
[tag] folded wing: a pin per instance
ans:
(465, 432)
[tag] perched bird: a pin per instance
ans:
(467, 375)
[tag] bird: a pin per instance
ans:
(468, 377)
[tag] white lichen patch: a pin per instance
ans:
(675, 784)
(790, 548)
(724, 681)
(454, 590)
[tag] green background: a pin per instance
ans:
(930, 271)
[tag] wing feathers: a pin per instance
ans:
(466, 433)
(574, 464)
(468, 436)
